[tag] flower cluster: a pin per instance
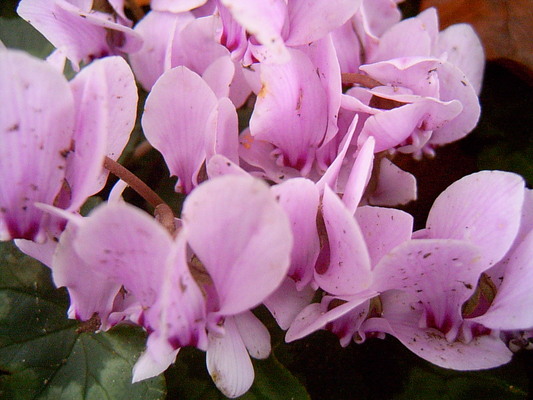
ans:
(297, 206)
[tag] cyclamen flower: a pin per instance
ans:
(65, 129)
(79, 32)
(435, 309)
(425, 86)
(236, 232)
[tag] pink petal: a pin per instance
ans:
(408, 38)
(441, 273)
(511, 308)
(392, 127)
(348, 272)
(226, 140)
(82, 35)
(219, 165)
(36, 123)
(291, 110)
(178, 316)
(316, 316)
(383, 229)
(228, 361)
(105, 95)
(127, 246)
(161, 48)
(287, 302)
(359, 175)
(401, 321)
(254, 335)
(416, 73)
(455, 86)
(483, 208)
(239, 232)
(299, 199)
(464, 50)
(219, 75)
(331, 175)
(311, 20)
(89, 292)
(264, 19)
(394, 186)
(199, 45)
(176, 6)
(324, 57)
(177, 119)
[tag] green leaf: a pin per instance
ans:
(43, 355)
(188, 379)
(432, 383)
(18, 34)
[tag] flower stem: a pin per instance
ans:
(363, 80)
(162, 211)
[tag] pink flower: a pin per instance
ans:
(65, 129)
(193, 289)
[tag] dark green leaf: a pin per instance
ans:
(18, 34)
(43, 355)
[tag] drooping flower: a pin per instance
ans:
(193, 289)
(80, 32)
(438, 296)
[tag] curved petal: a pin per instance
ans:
(316, 316)
(239, 232)
(178, 116)
(228, 361)
(36, 123)
(483, 208)
(455, 86)
(178, 316)
(105, 95)
(464, 50)
(348, 271)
